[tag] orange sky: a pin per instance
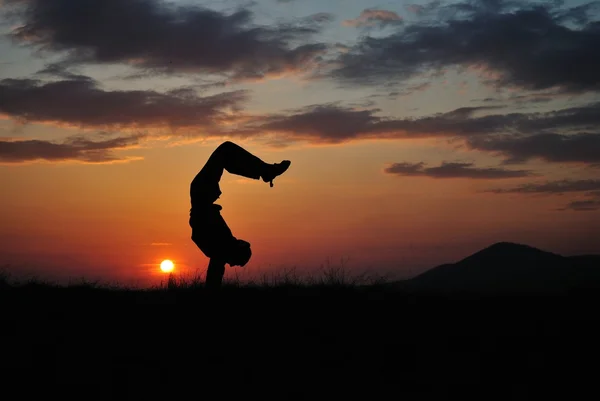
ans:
(96, 165)
(119, 221)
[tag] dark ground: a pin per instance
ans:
(304, 343)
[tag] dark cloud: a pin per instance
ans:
(590, 204)
(75, 148)
(590, 188)
(58, 70)
(518, 137)
(582, 148)
(405, 91)
(335, 123)
(583, 205)
(530, 45)
(81, 102)
(328, 123)
(553, 187)
(454, 170)
(573, 119)
(570, 135)
(153, 34)
(521, 99)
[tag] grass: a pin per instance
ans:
(329, 277)
(327, 337)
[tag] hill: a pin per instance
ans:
(510, 267)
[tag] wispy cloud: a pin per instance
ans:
(588, 205)
(590, 189)
(454, 170)
(77, 148)
(374, 18)
(552, 187)
(576, 148)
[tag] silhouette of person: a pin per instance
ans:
(209, 230)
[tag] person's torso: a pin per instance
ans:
(203, 193)
(205, 212)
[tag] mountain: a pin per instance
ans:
(510, 267)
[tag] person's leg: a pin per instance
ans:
(237, 160)
(233, 158)
(215, 273)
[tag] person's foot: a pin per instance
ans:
(275, 170)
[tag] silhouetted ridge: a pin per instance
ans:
(507, 252)
(509, 267)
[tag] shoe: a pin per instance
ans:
(275, 170)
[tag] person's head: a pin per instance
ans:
(240, 253)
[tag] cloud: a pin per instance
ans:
(80, 102)
(523, 98)
(320, 18)
(59, 70)
(581, 148)
(157, 35)
(570, 135)
(406, 91)
(423, 9)
(334, 123)
(454, 170)
(529, 45)
(518, 137)
(584, 205)
(553, 187)
(327, 123)
(590, 188)
(374, 18)
(76, 148)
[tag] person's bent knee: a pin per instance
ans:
(219, 155)
(225, 146)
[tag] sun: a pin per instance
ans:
(167, 266)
